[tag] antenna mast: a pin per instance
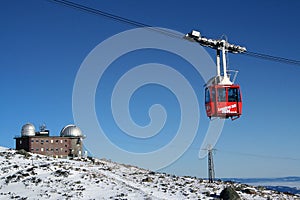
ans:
(211, 170)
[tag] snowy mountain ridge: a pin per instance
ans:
(289, 184)
(33, 176)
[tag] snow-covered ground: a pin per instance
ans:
(40, 177)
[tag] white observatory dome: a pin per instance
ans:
(28, 130)
(71, 131)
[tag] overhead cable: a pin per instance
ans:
(162, 31)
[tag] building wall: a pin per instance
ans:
(76, 144)
(51, 146)
(22, 143)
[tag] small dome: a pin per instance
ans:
(71, 131)
(28, 130)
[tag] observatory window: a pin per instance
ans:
(32, 140)
(65, 140)
(46, 140)
(42, 140)
(20, 142)
(37, 149)
(61, 141)
(78, 141)
(56, 141)
(56, 149)
(37, 141)
(51, 141)
(42, 149)
(32, 149)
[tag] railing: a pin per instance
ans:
(232, 74)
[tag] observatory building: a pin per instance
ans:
(68, 144)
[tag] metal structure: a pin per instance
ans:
(211, 170)
(222, 96)
(71, 131)
(28, 130)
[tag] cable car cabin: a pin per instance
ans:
(223, 101)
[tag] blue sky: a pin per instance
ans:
(43, 45)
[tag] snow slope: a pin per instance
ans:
(40, 177)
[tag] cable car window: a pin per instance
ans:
(239, 95)
(222, 94)
(207, 95)
(232, 94)
(213, 95)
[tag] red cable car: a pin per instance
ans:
(222, 97)
(223, 101)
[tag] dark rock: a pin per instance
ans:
(192, 190)
(151, 173)
(59, 172)
(229, 194)
(147, 179)
(44, 165)
(248, 191)
(24, 153)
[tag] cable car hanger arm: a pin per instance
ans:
(195, 36)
